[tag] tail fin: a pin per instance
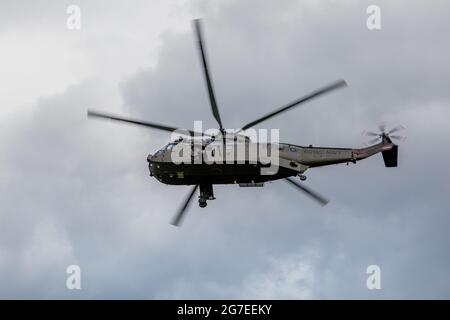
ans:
(390, 157)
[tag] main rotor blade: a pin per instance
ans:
(382, 127)
(153, 125)
(317, 93)
(212, 98)
(371, 134)
(313, 194)
(179, 216)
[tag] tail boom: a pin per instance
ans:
(319, 156)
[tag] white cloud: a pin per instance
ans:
(289, 277)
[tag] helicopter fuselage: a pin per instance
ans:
(292, 160)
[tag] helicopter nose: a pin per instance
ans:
(150, 164)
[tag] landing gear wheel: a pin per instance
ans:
(202, 203)
(206, 193)
(302, 177)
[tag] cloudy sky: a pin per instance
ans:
(74, 191)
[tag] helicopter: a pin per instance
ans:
(247, 170)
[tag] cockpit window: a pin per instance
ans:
(170, 146)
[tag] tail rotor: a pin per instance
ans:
(383, 134)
